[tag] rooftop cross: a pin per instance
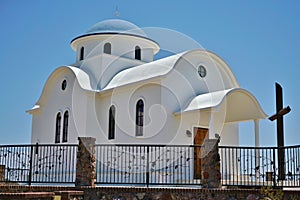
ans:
(117, 13)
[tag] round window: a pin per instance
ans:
(201, 71)
(64, 85)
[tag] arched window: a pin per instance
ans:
(107, 48)
(81, 53)
(139, 118)
(111, 123)
(137, 53)
(65, 128)
(57, 128)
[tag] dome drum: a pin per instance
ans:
(123, 36)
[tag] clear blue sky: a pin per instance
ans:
(259, 40)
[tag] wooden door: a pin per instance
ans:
(199, 135)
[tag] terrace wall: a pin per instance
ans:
(141, 193)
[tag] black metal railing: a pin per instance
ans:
(151, 165)
(251, 166)
(147, 164)
(39, 163)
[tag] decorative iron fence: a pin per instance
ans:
(39, 163)
(251, 166)
(151, 165)
(148, 164)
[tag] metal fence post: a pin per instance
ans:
(147, 171)
(274, 168)
(30, 165)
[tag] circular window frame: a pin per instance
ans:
(64, 85)
(202, 72)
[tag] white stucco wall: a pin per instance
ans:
(121, 45)
(125, 99)
(58, 100)
(230, 135)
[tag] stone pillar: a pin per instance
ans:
(210, 164)
(2, 173)
(86, 162)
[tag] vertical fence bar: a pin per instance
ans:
(30, 165)
(223, 164)
(69, 155)
(121, 179)
(47, 159)
(10, 159)
(298, 166)
(138, 165)
(147, 167)
(242, 169)
(286, 151)
(109, 165)
(63, 166)
(226, 167)
(114, 157)
(294, 167)
(274, 168)
(152, 174)
(264, 164)
(105, 167)
(233, 161)
(244, 166)
(228, 179)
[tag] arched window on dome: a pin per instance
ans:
(139, 118)
(65, 127)
(81, 53)
(107, 48)
(111, 123)
(137, 53)
(57, 128)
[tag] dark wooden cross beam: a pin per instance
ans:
(280, 112)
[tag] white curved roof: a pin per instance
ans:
(162, 67)
(241, 105)
(207, 100)
(143, 72)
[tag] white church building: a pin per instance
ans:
(117, 93)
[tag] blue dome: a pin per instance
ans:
(116, 26)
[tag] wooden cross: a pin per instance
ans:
(280, 112)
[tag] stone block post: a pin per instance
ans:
(210, 164)
(2, 172)
(86, 162)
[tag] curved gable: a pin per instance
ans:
(219, 75)
(75, 73)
